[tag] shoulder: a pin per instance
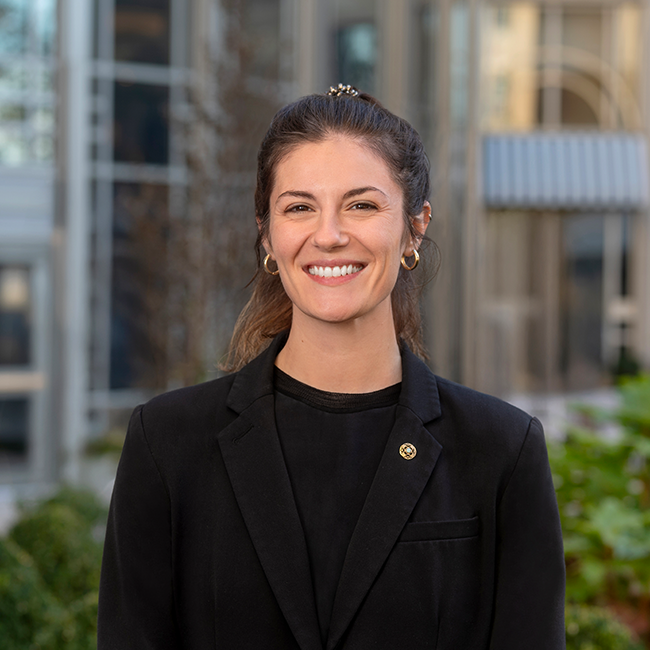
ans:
(460, 417)
(192, 408)
(468, 404)
(178, 428)
(484, 421)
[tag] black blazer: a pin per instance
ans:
(458, 548)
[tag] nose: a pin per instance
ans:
(329, 232)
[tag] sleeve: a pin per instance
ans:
(530, 580)
(135, 595)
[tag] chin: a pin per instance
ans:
(337, 314)
(336, 317)
(341, 310)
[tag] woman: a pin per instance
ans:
(333, 493)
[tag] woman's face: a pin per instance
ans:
(336, 230)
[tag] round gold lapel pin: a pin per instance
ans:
(408, 451)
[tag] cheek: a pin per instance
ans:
(286, 242)
(274, 238)
(398, 244)
(407, 235)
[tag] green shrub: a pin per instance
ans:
(79, 624)
(603, 490)
(595, 628)
(602, 484)
(63, 549)
(29, 615)
(49, 575)
(83, 502)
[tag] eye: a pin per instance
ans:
(363, 205)
(299, 207)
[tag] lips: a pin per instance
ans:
(334, 271)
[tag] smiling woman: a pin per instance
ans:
(332, 493)
(337, 233)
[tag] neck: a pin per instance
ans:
(351, 357)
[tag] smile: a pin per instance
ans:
(334, 271)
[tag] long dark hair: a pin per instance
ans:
(313, 119)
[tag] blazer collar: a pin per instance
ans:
(253, 457)
(251, 451)
(255, 379)
(419, 391)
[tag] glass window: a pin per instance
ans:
(14, 147)
(44, 26)
(26, 134)
(547, 309)
(15, 316)
(27, 27)
(582, 307)
(142, 31)
(578, 111)
(355, 43)
(14, 26)
(14, 425)
(141, 132)
(27, 31)
(138, 323)
(357, 55)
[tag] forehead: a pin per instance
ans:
(338, 162)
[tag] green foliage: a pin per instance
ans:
(595, 628)
(83, 502)
(29, 614)
(63, 549)
(79, 624)
(49, 575)
(603, 491)
(635, 411)
(110, 444)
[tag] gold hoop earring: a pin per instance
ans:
(416, 255)
(266, 266)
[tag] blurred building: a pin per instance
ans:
(128, 126)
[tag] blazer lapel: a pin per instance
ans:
(394, 493)
(253, 457)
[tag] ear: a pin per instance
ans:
(420, 223)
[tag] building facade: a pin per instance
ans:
(128, 132)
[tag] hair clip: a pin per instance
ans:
(340, 90)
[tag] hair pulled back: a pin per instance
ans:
(310, 119)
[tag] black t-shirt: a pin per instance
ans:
(332, 445)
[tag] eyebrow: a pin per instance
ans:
(348, 195)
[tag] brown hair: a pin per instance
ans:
(313, 119)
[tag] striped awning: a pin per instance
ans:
(566, 171)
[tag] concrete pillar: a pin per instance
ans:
(73, 244)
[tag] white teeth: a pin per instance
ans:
(333, 271)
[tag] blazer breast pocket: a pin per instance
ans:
(429, 531)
